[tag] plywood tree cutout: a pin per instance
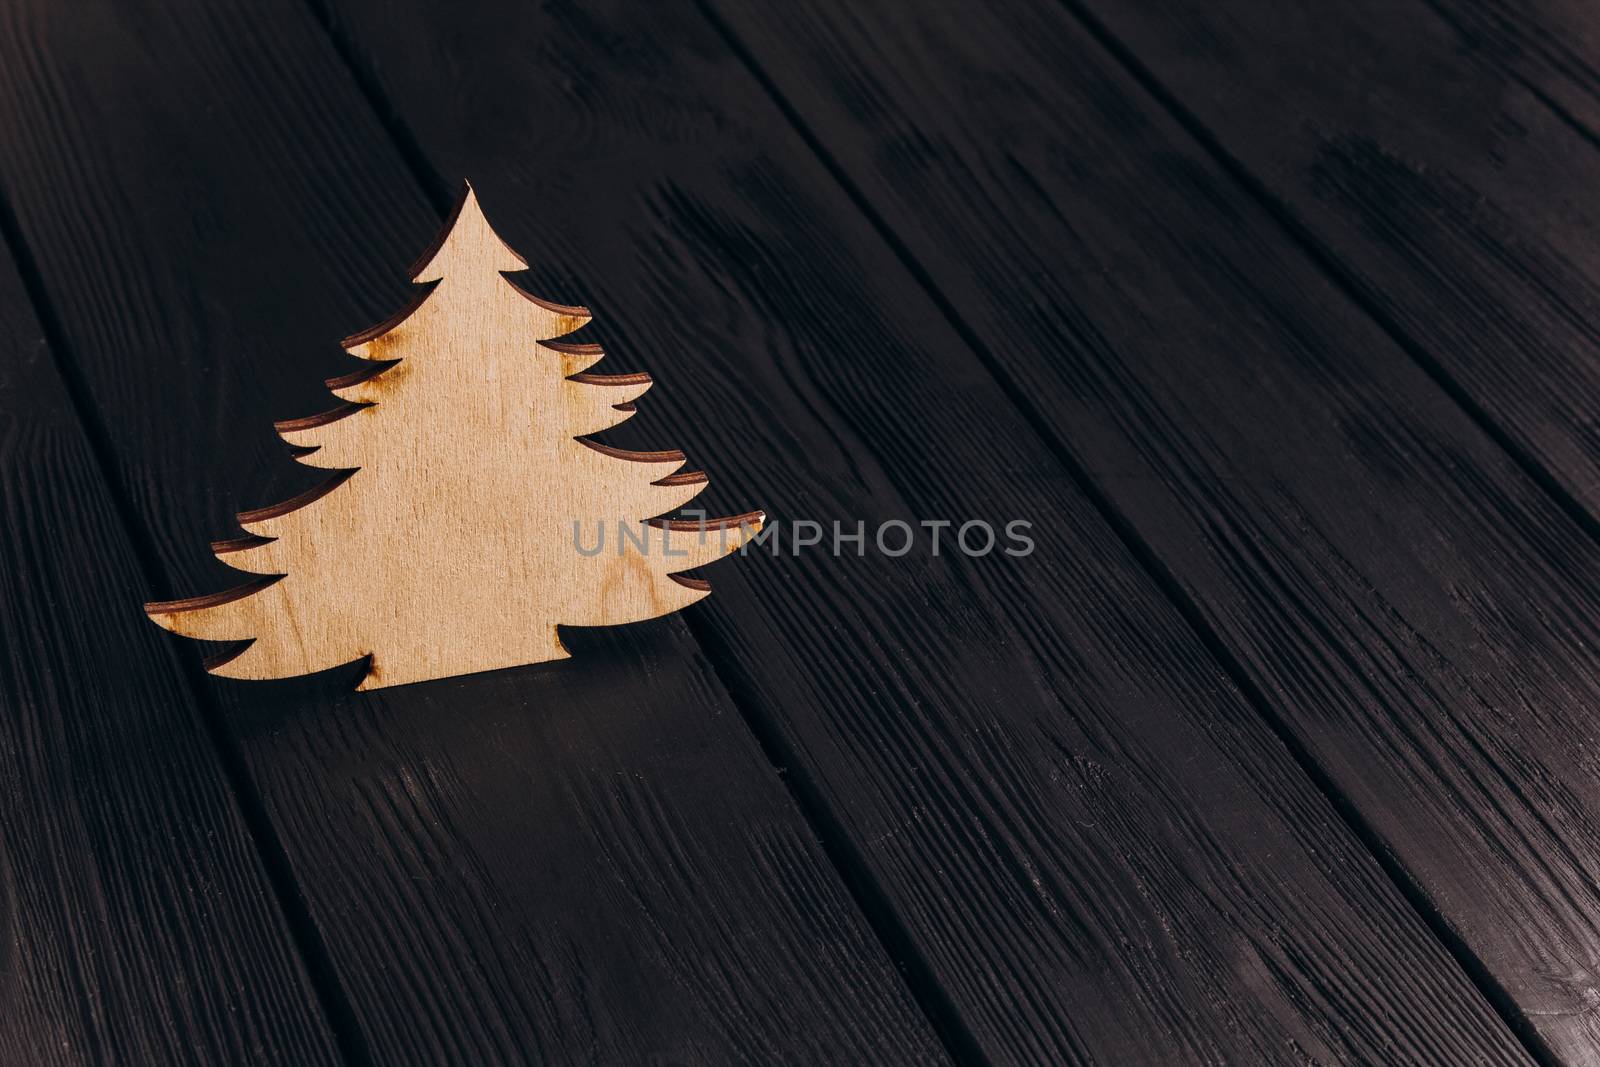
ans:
(449, 539)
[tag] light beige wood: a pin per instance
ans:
(446, 541)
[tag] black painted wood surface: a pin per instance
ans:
(1276, 750)
(1413, 608)
(590, 864)
(984, 734)
(137, 923)
(1440, 158)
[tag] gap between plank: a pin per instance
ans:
(1354, 290)
(1343, 278)
(890, 933)
(1497, 997)
(1551, 104)
(303, 932)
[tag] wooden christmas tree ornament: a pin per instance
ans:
(460, 529)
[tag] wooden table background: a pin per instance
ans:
(1278, 320)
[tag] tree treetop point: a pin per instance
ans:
(466, 243)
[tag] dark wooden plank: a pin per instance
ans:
(1552, 47)
(587, 863)
(1096, 850)
(137, 924)
(1430, 153)
(1415, 609)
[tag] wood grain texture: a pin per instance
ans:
(1096, 849)
(136, 922)
(591, 862)
(1432, 152)
(1418, 613)
(1552, 47)
(469, 514)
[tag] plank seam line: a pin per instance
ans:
(1559, 110)
(873, 904)
(301, 927)
(892, 934)
(1348, 283)
(1495, 995)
